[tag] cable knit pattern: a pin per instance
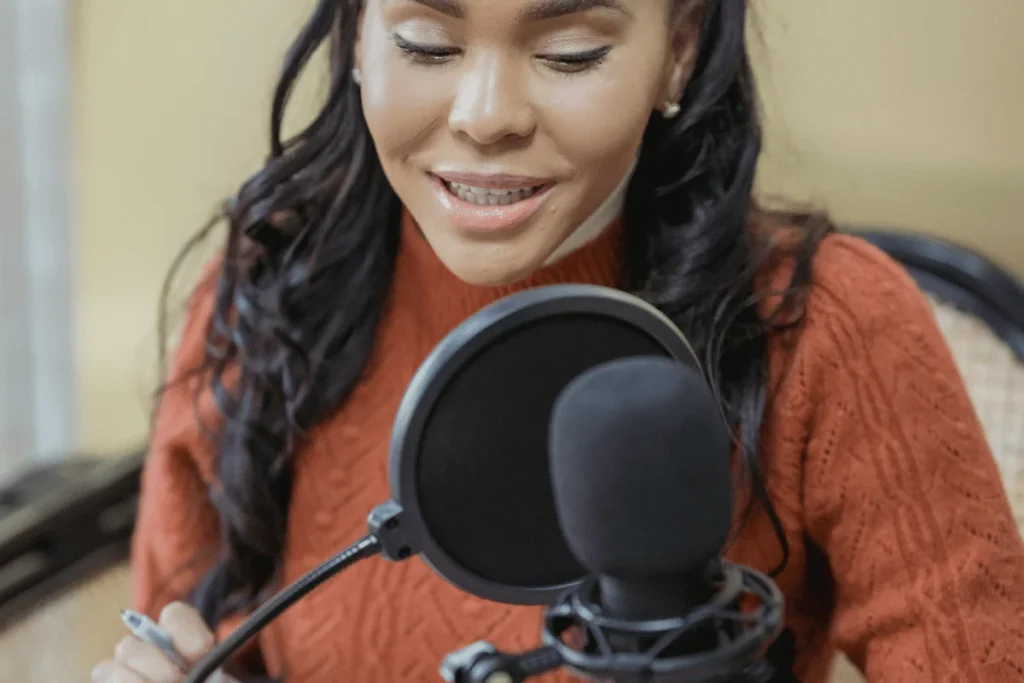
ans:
(904, 552)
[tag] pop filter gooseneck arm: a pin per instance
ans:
(469, 445)
(368, 546)
(382, 540)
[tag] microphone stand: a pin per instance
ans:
(481, 662)
(745, 646)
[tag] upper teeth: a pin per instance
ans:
(490, 196)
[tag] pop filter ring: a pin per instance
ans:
(399, 523)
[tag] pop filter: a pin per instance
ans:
(470, 482)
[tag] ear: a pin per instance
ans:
(685, 46)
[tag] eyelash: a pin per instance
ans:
(565, 64)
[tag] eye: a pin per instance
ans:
(424, 54)
(576, 62)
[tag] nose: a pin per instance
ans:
(490, 105)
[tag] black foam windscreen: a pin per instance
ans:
(469, 460)
(640, 464)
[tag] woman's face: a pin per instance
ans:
(503, 124)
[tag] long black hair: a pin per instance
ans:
(309, 253)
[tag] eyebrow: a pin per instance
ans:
(453, 8)
(540, 10)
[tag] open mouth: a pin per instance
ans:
(482, 196)
(490, 204)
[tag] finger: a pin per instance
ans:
(189, 633)
(112, 672)
(101, 671)
(146, 660)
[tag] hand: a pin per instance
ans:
(136, 661)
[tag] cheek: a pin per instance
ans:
(599, 137)
(399, 109)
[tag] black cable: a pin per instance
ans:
(368, 546)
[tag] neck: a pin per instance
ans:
(592, 228)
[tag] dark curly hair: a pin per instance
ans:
(310, 252)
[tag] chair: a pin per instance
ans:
(957, 278)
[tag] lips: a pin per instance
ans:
(490, 203)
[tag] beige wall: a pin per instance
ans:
(171, 114)
(905, 113)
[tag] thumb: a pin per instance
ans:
(192, 638)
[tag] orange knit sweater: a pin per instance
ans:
(904, 550)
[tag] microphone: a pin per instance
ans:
(471, 489)
(642, 483)
(640, 467)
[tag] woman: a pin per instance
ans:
(471, 148)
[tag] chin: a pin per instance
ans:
(489, 269)
(490, 277)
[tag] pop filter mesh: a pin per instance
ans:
(483, 480)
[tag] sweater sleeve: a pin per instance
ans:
(176, 534)
(901, 491)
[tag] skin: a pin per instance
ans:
(135, 661)
(503, 102)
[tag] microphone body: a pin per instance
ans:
(640, 465)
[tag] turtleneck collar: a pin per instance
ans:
(423, 283)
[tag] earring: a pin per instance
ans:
(671, 110)
(357, 76)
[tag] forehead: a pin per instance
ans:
(535, 10)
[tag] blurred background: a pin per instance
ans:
(124, 122)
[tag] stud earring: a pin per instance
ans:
(357, 76)
(671, 110)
